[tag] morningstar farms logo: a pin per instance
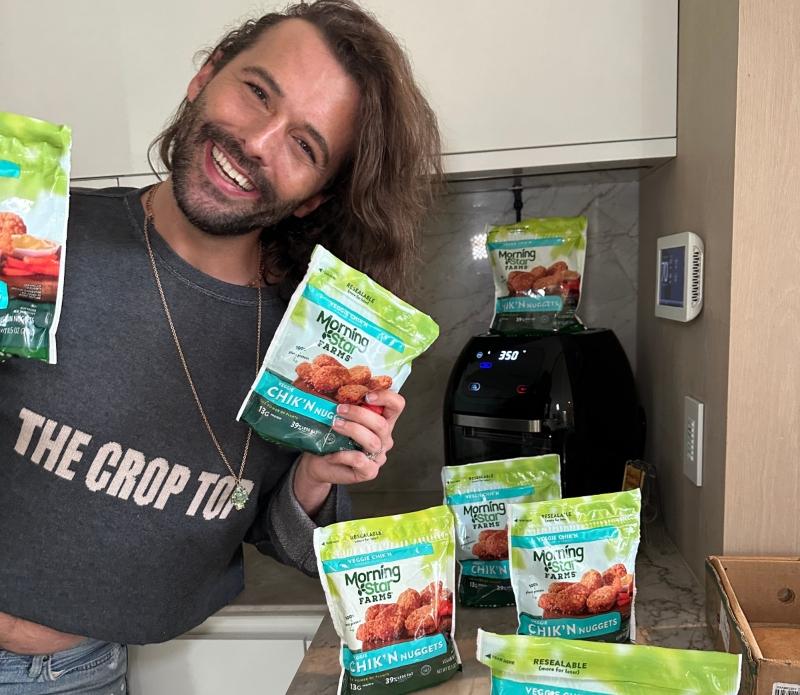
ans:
(375, 584)
(560, 563)
(339, 338)
(487, 514)
(515, 260)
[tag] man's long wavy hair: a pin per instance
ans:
(381, 194)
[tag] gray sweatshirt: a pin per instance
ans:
(114, 514)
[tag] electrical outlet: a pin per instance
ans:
(693, 440)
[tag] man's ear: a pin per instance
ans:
(203, 76)
(311, 204)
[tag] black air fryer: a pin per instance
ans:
(570, 394)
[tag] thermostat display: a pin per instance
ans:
(679, 293)
(671, 285)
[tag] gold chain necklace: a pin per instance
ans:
(239, 496)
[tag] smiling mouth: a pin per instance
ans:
(229, 171)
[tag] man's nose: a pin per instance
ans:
(261, 140)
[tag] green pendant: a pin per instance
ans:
(239, 497)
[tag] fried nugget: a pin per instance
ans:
(557, 267)
(351, 393)
(388, 626)
(305, 370)
(555, 587)
(329, 379)
(375, 610)
(380, 383)
(488, 533)
(324, 360)
(12, 223)
(6, 243)
(592, 580)
(544, 283)
(601, 600)
(435, 592)
(617, 571)
(547, 602)
(492, 544)
(362, 632)
(519, 281)
(422, 621)
(497, 546)
(538, 272)
(479, 551)
(408, 601)
(571, 601)
(360, 374)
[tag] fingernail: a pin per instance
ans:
(338, 422)
(343, 409)
(370, 398)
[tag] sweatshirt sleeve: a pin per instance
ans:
(284, 531)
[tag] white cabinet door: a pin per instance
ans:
(516, 75)
(209, 666)
(246, 651)
(515, 83)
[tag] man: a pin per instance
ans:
(117, 465)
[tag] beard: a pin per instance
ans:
(203, 204)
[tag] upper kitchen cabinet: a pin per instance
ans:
(516, 84)
(544, 83)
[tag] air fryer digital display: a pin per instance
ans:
(501, 371)
(672, 276)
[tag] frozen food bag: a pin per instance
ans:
(388, 582)
(342, 336)
(538, 266)
(34, 200)
(572, 566)
(479, 495)
(523, 665)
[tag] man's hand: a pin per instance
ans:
(373, 432)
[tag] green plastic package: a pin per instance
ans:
(388, 583)
(34, 201)
(572, 566)
(342, 336)
(479, 495)
(523, 665)
(538, 266)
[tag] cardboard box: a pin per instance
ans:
(753, 609)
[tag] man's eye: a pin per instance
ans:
(260, 93)
(306, 149)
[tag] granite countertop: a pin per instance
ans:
(669, 612)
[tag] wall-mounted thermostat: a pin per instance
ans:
(679, 277)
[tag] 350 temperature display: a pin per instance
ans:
(508, 355)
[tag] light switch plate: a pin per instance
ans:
(693, 440)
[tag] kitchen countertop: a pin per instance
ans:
(669, 610)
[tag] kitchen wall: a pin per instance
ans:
(735, 182)
(456, 288)
(693, 192)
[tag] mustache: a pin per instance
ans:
(234, 151)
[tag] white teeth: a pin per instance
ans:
(225, 165)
